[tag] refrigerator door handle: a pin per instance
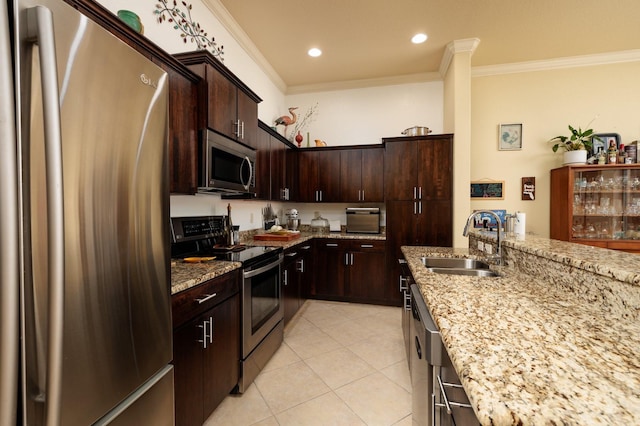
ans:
(9, 218)
(40, 30)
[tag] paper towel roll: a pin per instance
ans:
(521, 222)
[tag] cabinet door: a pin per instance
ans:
(434, 224)
(400, 170)
(183, 137)
(222, 103)
(435, 173)
(188, 379)
(305, 271)
(290, 286)
(329, 267)
(365, 276)
(351, 175)
(401, 230)
(308, 171)
(221, 364)
(248, 117)
(263, 165)
(329, 175)
(372, 175)
(278, 156)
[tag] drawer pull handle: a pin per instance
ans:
(366, 245)
(332, 245)
(206, 297)
(294, 254)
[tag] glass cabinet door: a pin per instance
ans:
(606, 204)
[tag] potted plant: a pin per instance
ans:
(576, 146)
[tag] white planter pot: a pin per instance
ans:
(575, 157)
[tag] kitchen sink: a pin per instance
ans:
(452, 262)
(465, 271)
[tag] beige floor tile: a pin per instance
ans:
(399, 373)
(339, 367)
(380, 350)
(270, 421)
(302, 326)
(376, 400)
(324, 410)
(386, 322)
(311, 343)
(240, 410)
(407, 421)
(284, 356)
(289, 386)
(347, 332)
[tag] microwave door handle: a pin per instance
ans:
(246, 184)
(40, 28)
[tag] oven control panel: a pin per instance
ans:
(196, 228)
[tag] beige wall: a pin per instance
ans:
(545, 102)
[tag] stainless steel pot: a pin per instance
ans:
(416, 131)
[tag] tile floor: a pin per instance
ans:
(340, 364)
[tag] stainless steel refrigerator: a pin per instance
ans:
(85, 318)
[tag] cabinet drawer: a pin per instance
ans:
(367, 245)
(190, 303)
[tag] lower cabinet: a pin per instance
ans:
(349, 270)
(206, 347)
(295, 277)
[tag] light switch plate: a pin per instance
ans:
(488, 248)
(480, 246)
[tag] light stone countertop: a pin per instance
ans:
(532, 352)
(187, 275)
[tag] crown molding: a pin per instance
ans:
(240, 36)
(363, 83)
(467, 45)
(559, 63)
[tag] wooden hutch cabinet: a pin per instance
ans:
(597, 205)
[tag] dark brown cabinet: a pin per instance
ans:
(318, 175)
(273, 171)
(349, 270)
(364, 269)
(295, 277)
(206, 347)
(418, 175)
(361, 177)
(225, 104)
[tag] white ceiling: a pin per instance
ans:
(370, 39)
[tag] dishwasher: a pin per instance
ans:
(438, 398)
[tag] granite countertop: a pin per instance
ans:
(530, 352)
(187, 275)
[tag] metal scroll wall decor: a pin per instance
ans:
(180, 17)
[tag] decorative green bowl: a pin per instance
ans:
(131, 19)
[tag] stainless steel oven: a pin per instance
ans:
(262, 314)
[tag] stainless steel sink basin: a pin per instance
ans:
(452, 262)
(465, 271)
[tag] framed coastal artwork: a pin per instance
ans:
(487, 190)
(510, 137)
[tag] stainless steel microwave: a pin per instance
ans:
(226, 167)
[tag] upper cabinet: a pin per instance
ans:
(597, 205)
(272, 171)
(226, 105)
(361, 174)
(318, 175)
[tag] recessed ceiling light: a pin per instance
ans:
(315, 52)
(419, 38)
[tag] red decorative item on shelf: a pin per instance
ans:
(299, 139)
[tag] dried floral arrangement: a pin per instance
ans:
(189, 29)
(304, 121)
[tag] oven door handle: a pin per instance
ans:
(254, 272)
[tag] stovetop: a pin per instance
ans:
(247, 255)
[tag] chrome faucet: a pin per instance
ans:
(465, 232)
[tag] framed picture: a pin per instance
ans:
(509, 137)
(604, 141)
(487, 190)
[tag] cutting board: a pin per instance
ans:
(277, 237)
